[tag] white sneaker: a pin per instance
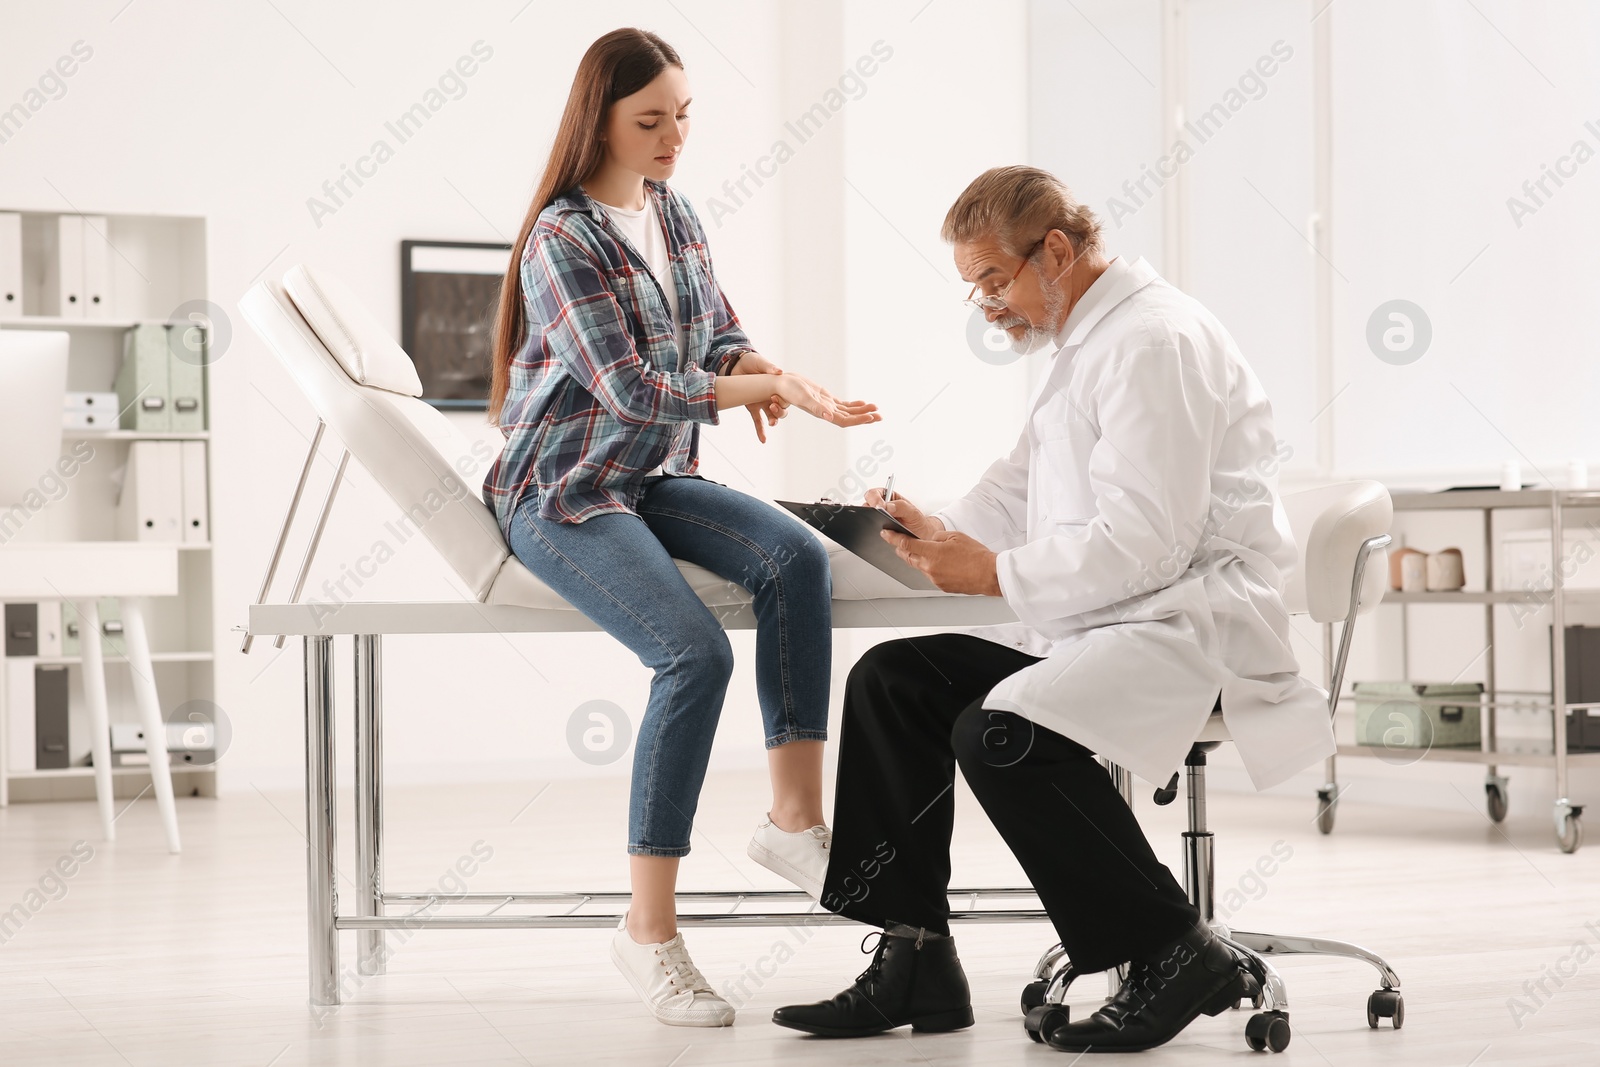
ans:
(668, 982)
(801, 857)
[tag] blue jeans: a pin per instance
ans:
(618, 570)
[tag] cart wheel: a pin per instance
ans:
(1033, 995)
(1268, 1030)
(1571, 835)
(1386, 1004)
(1327, 803)
(1042, 1021)
(1495, 790)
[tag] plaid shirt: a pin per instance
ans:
(598, 394)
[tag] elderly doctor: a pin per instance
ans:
(1136, 532)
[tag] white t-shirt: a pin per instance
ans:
(643, 229)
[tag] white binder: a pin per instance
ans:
(10, 265)
(195, 525)
(69, 266)
(151, 505)
(96, 268)
(20, 734)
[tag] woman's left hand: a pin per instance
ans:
(775, 407)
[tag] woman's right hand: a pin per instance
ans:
(906, 514)
(813, 399)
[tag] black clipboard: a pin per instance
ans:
(856, 527)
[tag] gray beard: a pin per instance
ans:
(1038, 335)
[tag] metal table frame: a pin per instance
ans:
(366, 623)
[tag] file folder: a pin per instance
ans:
(22, 629)
(186, 376)
(142, 380)
(69, 265)
(90, 411)
(89, 420)
(10, 265)
(97, 401)
(110, 627)
(151, 505)
(96, 260)
(196, 527)
(50, 718)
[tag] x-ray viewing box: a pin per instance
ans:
(365, 389)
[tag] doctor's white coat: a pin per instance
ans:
(1142, 544)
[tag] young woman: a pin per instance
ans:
(613, 344)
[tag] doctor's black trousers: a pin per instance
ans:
(912, 714)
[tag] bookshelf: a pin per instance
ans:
(155, 272)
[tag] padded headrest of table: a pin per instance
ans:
(363, 347)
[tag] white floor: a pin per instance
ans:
(145, 958)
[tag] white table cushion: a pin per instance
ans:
(360, 344)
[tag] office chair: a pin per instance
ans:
(1337, 530)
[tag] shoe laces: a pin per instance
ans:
(682, 974)
(868, 979)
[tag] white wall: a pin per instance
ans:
(241, 114)
(1440, 111)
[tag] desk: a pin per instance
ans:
(82, 572)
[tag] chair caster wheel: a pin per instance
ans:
(1033, 995)
(1386, 1004)
(1250, 993)
(1268, 1030)
(1570, 834)
(1042, 1021)
(1495, 793)
(1327, 805)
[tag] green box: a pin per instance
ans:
(144, 390)
(1419, 715)
(110, 627)
(188, 344)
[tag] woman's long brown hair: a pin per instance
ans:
(617, 65)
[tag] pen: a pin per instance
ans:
(888, 490)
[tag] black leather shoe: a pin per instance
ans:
(910, 980)
(1162, 994)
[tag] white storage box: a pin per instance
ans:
(1524, 562)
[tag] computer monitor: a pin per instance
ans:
(33, 393)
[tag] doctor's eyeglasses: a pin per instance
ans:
(997, 301)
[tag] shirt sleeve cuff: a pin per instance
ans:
(703, 400)
(1005, 573)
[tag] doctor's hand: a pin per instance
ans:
(774, 407)
(956, 562)
(906, 514)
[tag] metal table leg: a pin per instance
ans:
(322, 901)
(370, 945)
(1569, 834)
